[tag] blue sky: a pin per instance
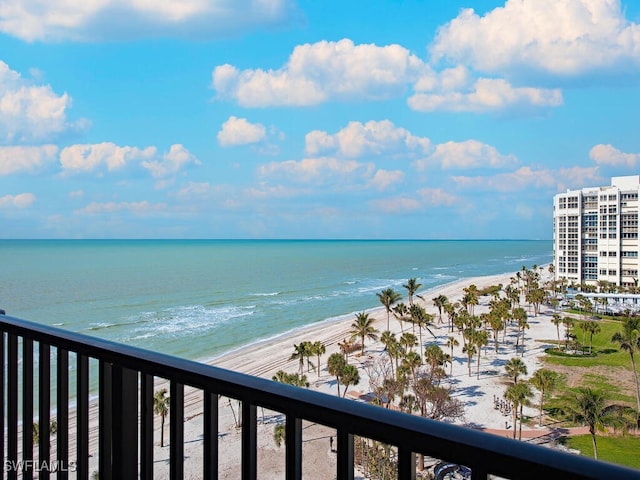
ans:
(307, 119)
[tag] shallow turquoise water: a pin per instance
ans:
(197, 299)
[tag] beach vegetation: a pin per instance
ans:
(439, 302)
(591, 407)
(412, 287)
(629, 340)
(388, 297)
(451, 342)
(349, 375)
(295, 379)
(377, 460)
(412, 361)
(335, 365)
(614, 449)
(514, 368)
(470, 298)
(470, 349)
(161, 404)
(53, 429)
(401, 313)
(546, 381)
(408, 341)
(518, 394)
(318, 349)
(280, 434)
(480, 338)
(346, 347)
(363, 327)
(301, 351)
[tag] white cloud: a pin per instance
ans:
(487, 94)
(318, 170)
(172, 162)
(371, 138)
(30, 112)
(25, 159)
(35, 20)
(436, 197)
(22, 200)
(467, 154)
(89, 157)
(396, 205)
(96, 208)
(320, 72)
(609, 155)
(526, 177)
(239, 131)
(383, 179)
(557, 37)
(85, 158)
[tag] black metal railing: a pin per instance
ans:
(125, 417)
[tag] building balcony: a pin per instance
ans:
(37, 376)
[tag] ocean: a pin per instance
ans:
(197, 299)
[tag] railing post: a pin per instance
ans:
(293, 444)
(210, 444)
(44, 407)
(406, 464)
(249, 441)
(176, 435)
(2, 400)
(106, 420)
(82, 417)
(27, 407)
(146, 429)
(345, 455)
(62, 406)
(124, 422)
(12, 405)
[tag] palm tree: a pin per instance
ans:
(349, 376)
(400, 311)
(629, 340)
(593, 329)
(546, 381)
(589, 406)
(480, 338)
(335, 365)
(279, 434)
(318, 349)
(557, 320)
(412, 360)
(439, 302)
(345, 348)
(518, 394)
(519, 314)
(412, 287)
(388, 339)
(408, 341)
(452, 342)
(387, 298)
(470, 349)
(363, 328)
(420, 317)
(300, 351)
(161, 407)
(568, 323)
(515, 367)
(470, 298)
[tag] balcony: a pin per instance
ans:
(125, 384)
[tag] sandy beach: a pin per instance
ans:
(265, 358)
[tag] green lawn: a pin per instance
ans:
(609, 354)
(620, 449)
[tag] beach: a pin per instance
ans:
(265, 358)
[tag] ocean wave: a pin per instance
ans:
(269, 294)
(186, 320)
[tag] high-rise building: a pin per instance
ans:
(595, 233)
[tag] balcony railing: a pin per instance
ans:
(125, 417)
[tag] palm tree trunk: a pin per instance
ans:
(162, 432)
(595, 446)
(520, 429)
(541, 402)
(635, 374)
(515, 419)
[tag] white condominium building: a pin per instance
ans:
(595, 233)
